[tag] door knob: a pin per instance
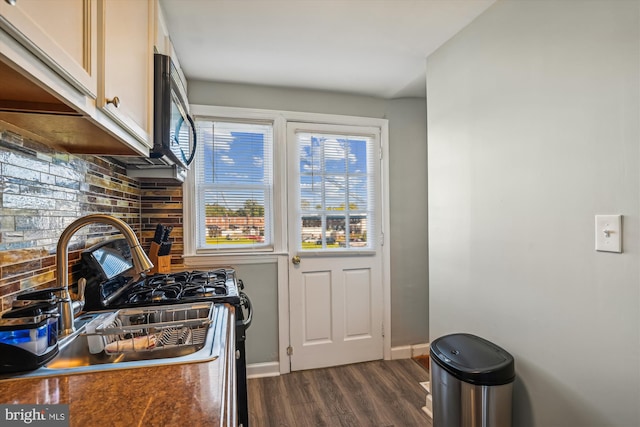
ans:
(115, 101)
(295, 260)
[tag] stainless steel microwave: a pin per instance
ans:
(174, 134)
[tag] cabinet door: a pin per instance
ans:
(126, 61)
(62, 33)
(162, 41)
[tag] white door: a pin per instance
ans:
(335, 270)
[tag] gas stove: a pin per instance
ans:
(218, 285)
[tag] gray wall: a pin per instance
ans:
(261, 284)
(408, 200)
(533, 114)
(408, 217)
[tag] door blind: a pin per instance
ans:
(336, 191)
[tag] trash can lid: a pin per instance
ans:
(473, 359)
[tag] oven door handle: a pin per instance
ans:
(246, 302)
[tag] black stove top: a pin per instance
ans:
(217, 285)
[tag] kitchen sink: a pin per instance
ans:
(78, 352)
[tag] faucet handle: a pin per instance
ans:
(78, 304)
(80, 291)
(40, 295)
(82, 284)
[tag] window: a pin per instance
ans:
(336, 196)
(234, 185)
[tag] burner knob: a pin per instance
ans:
(240, 284)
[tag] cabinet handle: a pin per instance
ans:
(115, 101)
(11, 2)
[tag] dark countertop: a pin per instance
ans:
(195, 394)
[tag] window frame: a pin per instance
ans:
(278, 209)
(268, 202)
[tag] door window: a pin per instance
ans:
(336, 198)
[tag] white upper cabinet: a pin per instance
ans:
(162, 41)
(125, 58)
(164, 45)
(85, 67)
(61, 33)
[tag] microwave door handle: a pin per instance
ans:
(193, 148)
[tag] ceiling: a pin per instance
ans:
(366, 47)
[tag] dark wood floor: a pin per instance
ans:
(371, 394)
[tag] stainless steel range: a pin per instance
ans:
(111, 284)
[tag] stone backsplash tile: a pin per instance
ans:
(42, 192)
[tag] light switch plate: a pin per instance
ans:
(609, 233)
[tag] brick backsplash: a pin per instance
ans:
(43, 191)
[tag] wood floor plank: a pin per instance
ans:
(298, 389)
(387, 393)
(371, 394)
(326, 392)
(308, 415)
(277, 402)
(361, 396)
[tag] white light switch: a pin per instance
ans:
(609, 233)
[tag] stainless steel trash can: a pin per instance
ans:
(471, 382)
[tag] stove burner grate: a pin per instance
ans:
(184, 286)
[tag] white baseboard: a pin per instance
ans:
(420, 349)
(428, 411)
(267, 369)
(403, 352)
(428, 407)
(409, 351)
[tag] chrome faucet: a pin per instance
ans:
(141, 262)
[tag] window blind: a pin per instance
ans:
(234, 185)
